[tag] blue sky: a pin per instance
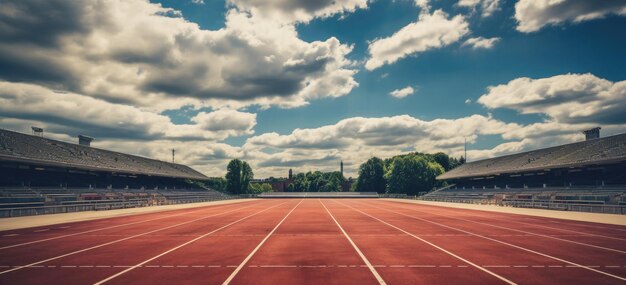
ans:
(446, 77)
(297, 84)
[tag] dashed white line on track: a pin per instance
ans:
(367, 262)
(243, 263)
(118, 240)
(508, 244)
(434, 245)
(527, 233)
(184, 244)
(105, 228)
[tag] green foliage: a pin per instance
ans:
(316, 182)
(217, 183)
(233, 176)
(246, 176)
(238, 176)
(412, 174)
(257, 188)
(266, 187)
(371, 176)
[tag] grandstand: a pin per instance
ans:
(39, 173)
(568, 177)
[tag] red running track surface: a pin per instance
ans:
(316, 241)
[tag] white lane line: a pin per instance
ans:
(572, 231)
(367, 262)
(119, 240)
(181, 245)
(521, 231)
(435, 246)
(243, 263)
(509, 244)
(106, 228)
(11, 235)
(42, 230)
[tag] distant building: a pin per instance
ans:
(278, 184)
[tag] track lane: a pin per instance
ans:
(553, 225)
(34, 235)
(607, 275)
(307, 248)
(112, 253)
(408, 258)
(140, 264)
(582, 251)
(209, 260)
(303, 249)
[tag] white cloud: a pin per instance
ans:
(480, 42)
(431, 31)
(568, 98)
(138, 53)
(355, 139)
(423, 4)
(301, 11)
(199, 2)
(570, 103)
(488, 7)
(76, 113)
(401, 93)
(532, 15)
(468, 101)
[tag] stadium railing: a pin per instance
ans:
(573, 207)
(57, 209)
(590, 208)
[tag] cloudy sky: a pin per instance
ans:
(304, 84)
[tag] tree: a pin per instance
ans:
(238, 176)
(316, 182)
(403, 175)
(217, 183)
(412, 174)
(246, 176)
(266, 187)
(371, 176)
(257, 188)
(233, 176)
(443, 160)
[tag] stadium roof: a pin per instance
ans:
(590, 152)
(41, 151)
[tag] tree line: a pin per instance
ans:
(409, 174)
(238, 179)
(317, 181)
(406, 174)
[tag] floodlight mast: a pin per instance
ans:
(37, 131)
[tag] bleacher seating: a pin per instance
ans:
(610, 195)
(586, 152)
(19, 146)
(15, 197)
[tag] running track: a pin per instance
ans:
(311, 241)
